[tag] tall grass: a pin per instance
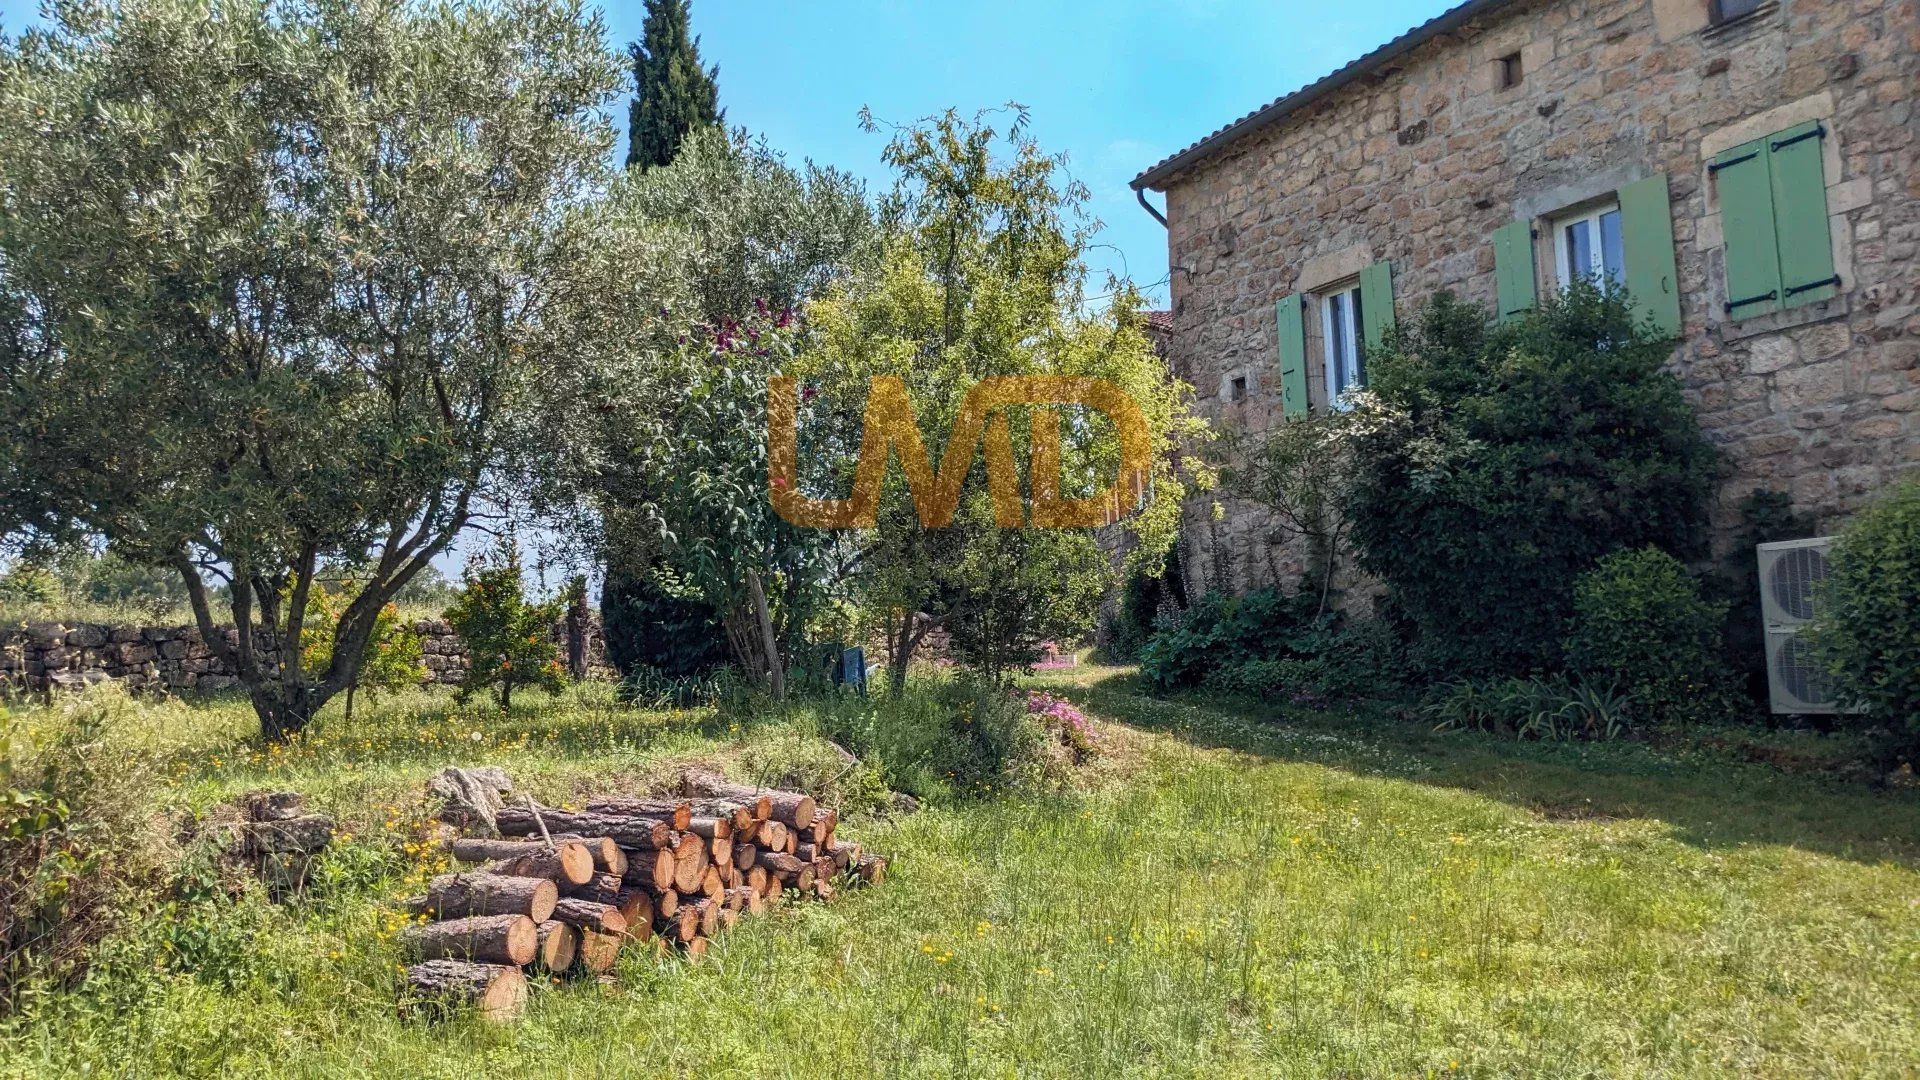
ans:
(1296, 895)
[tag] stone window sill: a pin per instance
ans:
(1774, 322)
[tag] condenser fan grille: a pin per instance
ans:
(1799, 672)
(1793, 579)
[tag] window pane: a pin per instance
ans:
(1612, 250)
(1357, 375)
(1579, 250)
(1337, 344)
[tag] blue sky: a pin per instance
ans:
(1116, 86)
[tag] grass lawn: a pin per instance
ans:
(1230, 893)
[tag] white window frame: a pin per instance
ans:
(1597, 264)
(1350, 325)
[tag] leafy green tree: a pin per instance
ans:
(985, 278)
(1496, 464)
(394, 656)
(748, 233)
(283, 285)
(700, 508)
(673, 95)
(509, 639)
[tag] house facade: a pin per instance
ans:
(1749, 170)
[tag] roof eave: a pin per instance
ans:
(1444, 23)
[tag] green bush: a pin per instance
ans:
(76, 844)
(1639, 622)
(1267, 641)
(945, 738)
(653, 635)
(1870, 629)
(1494, 464)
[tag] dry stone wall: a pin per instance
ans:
(173, 659)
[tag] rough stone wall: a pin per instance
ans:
(1420, 165)
(170, 659)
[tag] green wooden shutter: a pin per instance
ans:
(1746, 219)
(1513, 270)
(1800, 215)
(1646, 232)
(1289, 315)
(1376, 302)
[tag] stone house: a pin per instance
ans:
(1750, 169)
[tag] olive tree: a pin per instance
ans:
(279, 286)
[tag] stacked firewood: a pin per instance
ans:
(565, 891)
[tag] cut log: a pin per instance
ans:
(627, 832)
(792, 807)
(488, 939)
(599, 951)
(823, 888)
(636, 906)
(802, 880)
(780, 863)
(601, 889)
(771, 834)
(568, 864)
(746, 898)
(806, 851)
(745, 856)
(676, 812)
(497, 990)
(296, 835)
(588, 915)
(706, 915)
(757, 879)
(683, 925)
(740, 815)
(711, 827)
(559, 944)
(690, 867)
(824, 821)
(728, 916)
(651, 868)
(666, 902)
(721, 850)
(871, 869)
(453, 896)
(711, 884)
(697, 949)
(607, 856)
(792, 839)
(845, 855)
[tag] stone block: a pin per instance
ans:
(1770, 354)
(1811, 384)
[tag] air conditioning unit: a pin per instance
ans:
(1791, 576)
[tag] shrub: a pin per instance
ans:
(509, 640)
(1266, 641)
(1497, 463)
(1552, 708)
(940, 739)
(1639, 622)
(652, 633)
(1870, 632)
(76, 838)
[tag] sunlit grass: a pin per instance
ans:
(1227, 896)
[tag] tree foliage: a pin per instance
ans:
(318, 255)
(509, 638)
(1501, 462)
(984, 278)
(1870, 630)
(673, 95)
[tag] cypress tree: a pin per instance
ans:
(673, 93)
